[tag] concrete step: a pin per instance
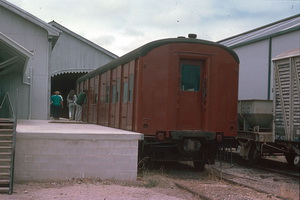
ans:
(5, 153)
(4, 189)
(4, 166)
(5, 135)
(4, 147)
(6, 125)
(2, 120)
(4, 181)
(5, 160)
(6, 130)
(5, 142)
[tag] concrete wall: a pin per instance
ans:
(56, 156)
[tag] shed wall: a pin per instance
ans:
(34, 39)
(73, 55)
(255, 78)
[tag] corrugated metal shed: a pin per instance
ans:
(53, 33)
(256, 48)
(274, 29)
(75, 54)
(26, 42)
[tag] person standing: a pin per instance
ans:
(78, 104)
(71, 98)
(56, 104)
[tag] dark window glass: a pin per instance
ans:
(107, 94)
(131, 85)
(114, 94)
(190, 77)
(125, 92)
(118, 89)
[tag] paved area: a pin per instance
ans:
(71, 127)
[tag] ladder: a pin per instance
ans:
(7, 151)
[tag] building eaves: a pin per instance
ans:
(11, 53)
(268, 31)
(66, 30)
(15, 45)
(52, 31)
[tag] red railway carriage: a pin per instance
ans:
(181, 93)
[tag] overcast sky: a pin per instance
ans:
(123, 25)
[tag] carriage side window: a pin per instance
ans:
(96, 94)
(118, 89)
(107, 93)
(114, 94)
(131, 84)
(190, 76)
(125, 92)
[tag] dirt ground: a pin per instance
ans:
(166, 184)
(87, 189)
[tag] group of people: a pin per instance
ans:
(74, 103)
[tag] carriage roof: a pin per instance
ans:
(143, 50)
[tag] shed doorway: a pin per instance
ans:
(64, 83)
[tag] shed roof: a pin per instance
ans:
(277, 28)
(287, 54)
(52, 31)
(66, 30)
(143, 50)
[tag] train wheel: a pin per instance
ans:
(199, 165)
(293, 160)
(290, 159)
(297, 162)
(252, 156)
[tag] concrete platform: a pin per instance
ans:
(58, 150)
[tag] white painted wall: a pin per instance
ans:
(47, 151)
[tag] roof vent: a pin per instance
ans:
(180, 37)
(192, 35)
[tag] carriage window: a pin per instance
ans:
(114, 94)
(107, 94)
(131, 84)
(118, 90)
(125, 92)
(190, 77)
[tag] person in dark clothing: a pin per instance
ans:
(78, 104)
(56, 104)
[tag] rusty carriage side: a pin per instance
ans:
(181, 93)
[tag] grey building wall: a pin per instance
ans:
(34, 39)
(48, 54)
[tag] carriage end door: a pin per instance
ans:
(189, 95)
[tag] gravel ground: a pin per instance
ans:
(86, 189)
(165, 184)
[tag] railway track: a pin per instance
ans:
(231, 182)
(270, 164)
(269, 177)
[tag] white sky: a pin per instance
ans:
(123, 25)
